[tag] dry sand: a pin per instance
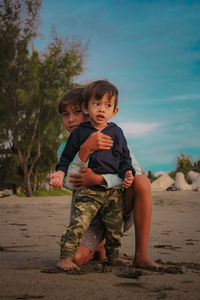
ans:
(30, 230)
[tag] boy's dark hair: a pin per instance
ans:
(74, 96)
(97, 89)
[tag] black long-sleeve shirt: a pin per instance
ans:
(114, 161)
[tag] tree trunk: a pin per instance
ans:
(27, 184)
(24, 162)
(35, 180)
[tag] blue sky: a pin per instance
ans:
(151, 51)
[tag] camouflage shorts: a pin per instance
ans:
(87, 203)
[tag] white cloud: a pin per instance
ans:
(184, 97)
(136, 129)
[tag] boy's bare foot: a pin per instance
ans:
(67, 264)
(120, 262)
(147, 262)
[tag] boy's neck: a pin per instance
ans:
(99, 126)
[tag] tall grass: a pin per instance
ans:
(50, 193)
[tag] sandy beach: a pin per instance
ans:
(30, 230)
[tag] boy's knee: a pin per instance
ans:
(142, 184)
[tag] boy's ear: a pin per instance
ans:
(115, 112)
(84, 109)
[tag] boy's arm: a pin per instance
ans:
(71, 148)
(89, 178)
(80, 175)
(135, 164)
(125, 162)
(74, 168)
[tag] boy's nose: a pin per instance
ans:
(71, 118)
(101, 108)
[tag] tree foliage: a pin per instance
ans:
(150, 176)
(31, 84)
(185, 163)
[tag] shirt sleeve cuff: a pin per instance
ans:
(112, 181)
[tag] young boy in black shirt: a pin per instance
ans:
(100, 99)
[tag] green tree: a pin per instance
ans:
(150, 176)
(185, 163)
(31, 84)
(197, 166)
(18, 27)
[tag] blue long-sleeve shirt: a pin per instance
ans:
(116, 160)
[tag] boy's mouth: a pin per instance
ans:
(71, 128)
(100, 117)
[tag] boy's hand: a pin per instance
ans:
(86, 178)
(128, 179)
(56, 179)
(98, 141)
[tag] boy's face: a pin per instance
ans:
(100, 111)
(73, 116)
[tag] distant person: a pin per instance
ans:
(100, 99)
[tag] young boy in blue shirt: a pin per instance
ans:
(100, 102)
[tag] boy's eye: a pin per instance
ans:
(96, 103)
(108, 105)
(65, 115)
(78, 112)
